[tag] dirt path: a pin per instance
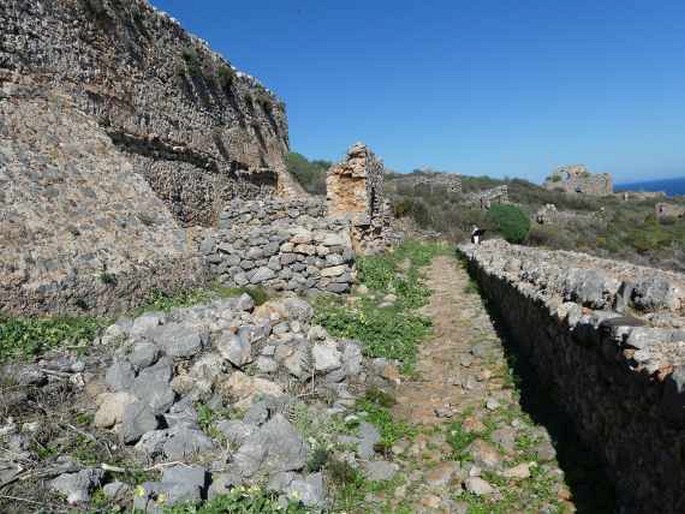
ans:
(473, 449)
(450, 378)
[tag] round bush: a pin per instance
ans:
(511, 222)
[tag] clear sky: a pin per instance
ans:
(498, 87)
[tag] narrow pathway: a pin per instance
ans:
(473, 449)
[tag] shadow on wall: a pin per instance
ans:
(584, 473)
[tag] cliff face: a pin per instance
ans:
(117, 131)
(196, 128)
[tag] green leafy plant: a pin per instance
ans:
(378, 413)
(26, 337)
(241, 500)
(510, 221)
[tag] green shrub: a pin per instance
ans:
(511, 222)
(310, 174)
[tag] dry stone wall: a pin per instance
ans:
(608, 340)
(281, 245)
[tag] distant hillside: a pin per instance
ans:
(606, 226)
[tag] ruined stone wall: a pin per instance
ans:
(608, 340)
(354, 191)
(80, 231)
(578, 179)
(191, 119)
(666, 210)
(281, 245)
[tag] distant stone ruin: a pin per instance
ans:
(452, 182)
(485, 199)
(354, 189)
(577, 178)
(667, 210)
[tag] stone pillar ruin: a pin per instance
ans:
(355, 185)
(354, 189)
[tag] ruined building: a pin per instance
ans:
(577, 178)
(667, 210)
(354, 189)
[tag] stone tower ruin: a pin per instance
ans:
(355, 185)
(354, 189)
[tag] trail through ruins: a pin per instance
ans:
(475, 449)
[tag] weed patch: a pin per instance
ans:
(26, 337)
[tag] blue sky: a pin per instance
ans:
(498, 87)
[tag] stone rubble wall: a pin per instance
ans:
(281, 245)
(159, 92)
(79, 230)
(608, 340)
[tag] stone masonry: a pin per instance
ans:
(192, 124)
(119, 130)
(354, 190)
(666, 210)
(608, 340)
(281, 245)
(578, 179)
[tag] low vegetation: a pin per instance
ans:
(310, 174)
(383, 319)
(22, 337)
(604, 226)
(241, 500)
(26, 337)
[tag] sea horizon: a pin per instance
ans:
(670, 186)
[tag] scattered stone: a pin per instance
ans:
(369, 436)
(244, 389)
(274, 447)
(112, 408)
(478, 486)
(136, 420)
(491, 404)
(77, 486)
(484, 454)
(234, 348)
(326, 357)
(520, 472)
(309, 491)
(143, 354)
(177, 339)
(120, 375)
(116, 490)
(380, 470)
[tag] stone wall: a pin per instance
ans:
(192, 120)
(79, 229)
(578, 179)
(281, 245)
(608, 340)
